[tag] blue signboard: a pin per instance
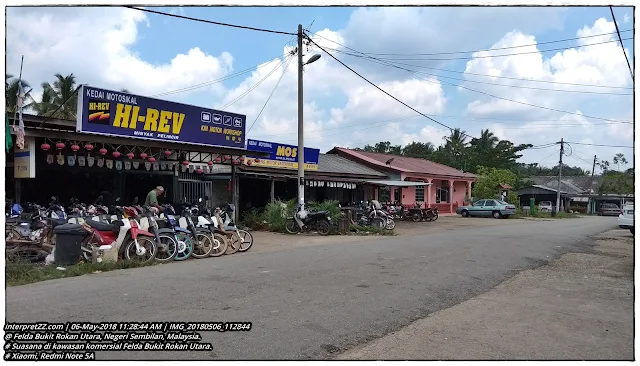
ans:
(283, 156)
(107, 112)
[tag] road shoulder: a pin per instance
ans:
(579, 307)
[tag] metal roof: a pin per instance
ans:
(332, 163)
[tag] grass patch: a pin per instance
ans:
(367, 230)
(22, 273)
(546, 215)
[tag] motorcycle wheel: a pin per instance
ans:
(233, 245)
(390, 224)
(429, 217)
(220, 245)
(323, 227)
(185, 246)
(292, 226)
(150, 250)
(203, 245)
(247, 240)
(167, 249)
(416, 217)
(435, 216)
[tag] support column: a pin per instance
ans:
(429, 193)
(375, 193)
(450, 196)
(469, 191)
(235, 192)
(273, 190)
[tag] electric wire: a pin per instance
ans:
(620, 39)
(601, 145)
(384, 91)
(480, 92)
(254, 86)
(284, 71)
(364, 55)
(209, 21)
(474, 51)
(503, 55)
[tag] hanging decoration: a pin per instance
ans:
(192, 168)
(136, 164)
(210, 163)
(45, 146)
(131, 155)
(127, 165)
(60, 159)
(118, 164)
(103, 151)
(60, 145)
(82, 160)
(116, 154)
(71, 160)
(143, 156)
(88, 147)
(167, 153)
(236, 162)
(75, 148)
(50, 159)
(109, 163)
(90, 160)
(218, 160)
(199, 171)
(183, 168)
(249, 162)
(100, 162)
(163, 166)
(227, 157)
(156, 166)
(185, 163)
(147, 165)
(241, 159)
(257, 160)
(152, 159)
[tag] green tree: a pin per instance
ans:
(614, 182)
(419, 150)
(619, 159)
(489, 180)
(11, 93)
(60, 96)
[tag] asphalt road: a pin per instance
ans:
(309, 302)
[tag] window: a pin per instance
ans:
(442, 194)
(479, 203)
(420, 193)
(490, 203)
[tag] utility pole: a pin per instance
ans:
(589, 187)
(559, 176)
(300, 122)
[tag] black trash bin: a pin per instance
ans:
(68, 243)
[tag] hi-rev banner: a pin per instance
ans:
(283, 156)
(107, 112)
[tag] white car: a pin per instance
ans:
(625, 220)
(545, 206)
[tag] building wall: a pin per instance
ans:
(439, 195)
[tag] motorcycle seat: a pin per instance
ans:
(16, 220)
(57, 222)
(319, 213)
(100, 226)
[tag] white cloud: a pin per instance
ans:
(97, 47)
(626, 18)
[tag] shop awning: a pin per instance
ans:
(397, 183)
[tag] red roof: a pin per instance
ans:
(402, 163)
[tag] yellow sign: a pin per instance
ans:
(283, 164)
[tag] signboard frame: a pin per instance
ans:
(281, 156)
(180, 123)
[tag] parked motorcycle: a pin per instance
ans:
(202, 232)
(245, 237)
(306, 221)
(182, 235)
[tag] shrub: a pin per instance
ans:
(253, 219)
(275, 216)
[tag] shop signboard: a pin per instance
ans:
(282, 156)
(111, 113)
(24, 160)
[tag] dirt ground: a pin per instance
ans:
(579, 307)
(267, 242)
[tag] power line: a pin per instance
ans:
(284, 71)
(620, 39)
(503, 55)
(477, 91)
(209, 21)
(484, 75)
(215, 81)
(491, 49)
(602, 145)
(254, 86)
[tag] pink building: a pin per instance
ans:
(445, 188)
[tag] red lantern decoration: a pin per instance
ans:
(75, 147)
(103, 151)
(130, 155)
(218, 160)
(227, 157)
(241, 159)
(152, 159)
(210, 163)
(143, 156)
(199, 171)
(249, 162)
(89, 147)
(60, 145)
(116, 154)
(45, 146)
(167, 153)
(185, 163)
(236, 162)
(257, 160)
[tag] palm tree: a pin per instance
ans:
(11, 93)
(60, 96)
(619, 159)
(486, 141)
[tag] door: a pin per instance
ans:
(489, 207)
(193, 190)
(477, 208)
